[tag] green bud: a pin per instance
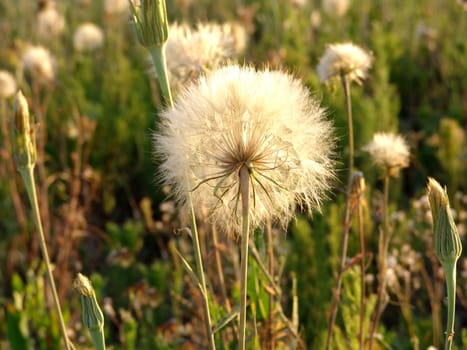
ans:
(446, 240)
(24, 138)
(150, 22)
(92, 316)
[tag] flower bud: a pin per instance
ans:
(357, 189)
(446, 240)
(150, 22)
(24, 140)
(93, 318)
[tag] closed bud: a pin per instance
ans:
(92, 316)
(357, 189)
(446, 240)
(150, 22)
(24, 140)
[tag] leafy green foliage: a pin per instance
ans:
(97, 166)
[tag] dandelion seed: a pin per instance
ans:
(344, 59)
(336, 8)
(236, 117)
(7, 84)
(88, 37)
(50, 22)
(389, 152)
(191, 52)
(39, 63)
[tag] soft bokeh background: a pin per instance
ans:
(106, 216)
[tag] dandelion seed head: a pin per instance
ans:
(344, 59)
(299, 3)
(7, 84)
(39, 63)
(115, 7)
(88, 37)
(315, 19)
(236, 117)
(191, 52)
(50, 22)
(336, 8)
(389, 152)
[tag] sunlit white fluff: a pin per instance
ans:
(88, 37)
(191, 52)
(234, 117)
(344, 59)
(50, 22)
(7, 84)
(336, 8)
(299, 3)
(39, 64)
(114, 7)
(389, 152)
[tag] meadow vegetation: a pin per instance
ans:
(354, 265)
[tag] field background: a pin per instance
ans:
(106, 216)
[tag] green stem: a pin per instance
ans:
(244, 188)
(348, 107)
(347, 216)
(270, 250)
(450, 271)
(159, 60)
(202, 280)
(383, 246)
(28, 177)
(362, 276)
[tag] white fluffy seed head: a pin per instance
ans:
(7, 84)
(39, 63)
(236, 117)
(336, 8)
(88, 37)
(344, 59)
(389, 152)
(191, 52)
(115, 7)
(50, 22)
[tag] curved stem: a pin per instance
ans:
(28, 178)
(159, 60)
(244, 189)
(450, 271)
(202, 280)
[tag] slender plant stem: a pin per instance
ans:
(202, 280)
(244, 188)
(160, 63)
(383, 245)
(28, 177)
(220, 270)
(220, 276)
(10, 168)
(347, 215)
(450, 271)
(435, 306)
(270, 249)
(348, 108)
(362, 275)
